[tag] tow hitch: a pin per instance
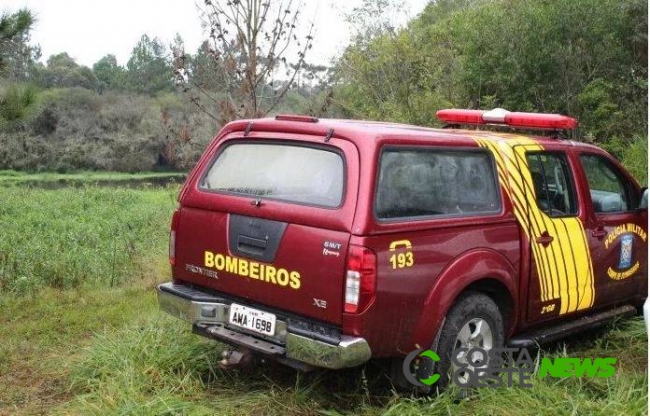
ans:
(236, 359)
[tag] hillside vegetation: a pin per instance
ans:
(586, 58)
(62, 116)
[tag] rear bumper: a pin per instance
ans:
(209, 316)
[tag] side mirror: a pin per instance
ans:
(644, 200)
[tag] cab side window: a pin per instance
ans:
(552, 183)
(430, 182)
(610, 191)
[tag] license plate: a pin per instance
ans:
(252, 319)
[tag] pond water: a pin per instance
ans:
(131, 183)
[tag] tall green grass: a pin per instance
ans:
(70, 237)
(157, 367)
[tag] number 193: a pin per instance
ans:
(401, 260)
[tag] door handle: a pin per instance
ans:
(545, 239)
(599, 233)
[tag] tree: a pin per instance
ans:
(586, 58)
(387, 74)
(62, 71)
(109, 73)
(204, 71)
(565, 56)
(373, 18)
(14, 34)
(16, 101)
(148, 69)
(254, 46)
(62, 60)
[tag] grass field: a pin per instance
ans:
(80, 332)
(78, 236)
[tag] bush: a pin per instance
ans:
(633, 154)
(635, 159)
(18, 103)
(79, 129)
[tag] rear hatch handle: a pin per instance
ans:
(251, 245)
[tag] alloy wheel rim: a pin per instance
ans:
(476, 333)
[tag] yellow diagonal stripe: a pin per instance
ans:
(564, 267)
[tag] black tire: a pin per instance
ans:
(469, 307)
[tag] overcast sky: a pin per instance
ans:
(90, 29)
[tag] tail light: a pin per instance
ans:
(360, 279)
(172, 238)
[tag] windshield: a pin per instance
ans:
(285, 172)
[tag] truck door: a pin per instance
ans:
(616, 230)
(546, 204)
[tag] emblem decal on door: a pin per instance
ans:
(626, 266)
(626, 252)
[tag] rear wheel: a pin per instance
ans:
(474, 321)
